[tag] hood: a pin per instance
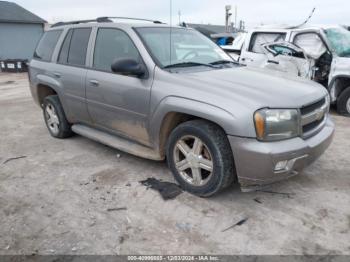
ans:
(255, 87)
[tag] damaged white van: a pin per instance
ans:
(320, 53)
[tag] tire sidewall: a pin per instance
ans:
(343, 99)
(63, 127)
(215, 181)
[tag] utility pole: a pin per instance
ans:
(228, 18)
(179, 13)
(236, 17)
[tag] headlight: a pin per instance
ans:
(276, 124)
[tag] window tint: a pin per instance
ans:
(47, 45)
(78, 46)
(112, 44)
(258, 39)
(63, 57)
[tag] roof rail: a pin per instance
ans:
(104, 19)
(129, 18)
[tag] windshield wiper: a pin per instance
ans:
(189, 64)
(221, 62)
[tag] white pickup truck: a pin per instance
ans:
(320, 53)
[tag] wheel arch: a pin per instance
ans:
(338, 84)
(174, 111)
(43, 86)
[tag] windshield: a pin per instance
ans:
(339, 39)
(181, 46)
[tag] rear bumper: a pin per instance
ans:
(256, 161)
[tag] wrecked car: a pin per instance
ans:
(321, 54)
(161, 92)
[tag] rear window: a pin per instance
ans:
(47, 45)
(78, 46)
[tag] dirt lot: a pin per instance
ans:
(55, 199)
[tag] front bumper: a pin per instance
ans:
(256, 161)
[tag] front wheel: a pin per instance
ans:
(200, 158)
(343, 103)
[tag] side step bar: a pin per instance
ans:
(117, 142)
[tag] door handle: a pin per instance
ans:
(57, 75)
(94, 82)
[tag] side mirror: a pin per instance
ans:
(127, 66)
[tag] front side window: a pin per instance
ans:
(259, 39)
(112, 44)
(47, 45)
(286, 51)
(180, 45)
(339, 39)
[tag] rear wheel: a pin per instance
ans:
(343, 103)
(200, 158)
(55, 118)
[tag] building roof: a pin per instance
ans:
(13, 13)
(208, 30)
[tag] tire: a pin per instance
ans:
(343, 103)
(55, 118)
(215, 149)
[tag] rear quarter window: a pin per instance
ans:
(47, 45)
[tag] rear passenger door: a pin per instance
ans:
(71, 73)
(118, 103)
(253, 53)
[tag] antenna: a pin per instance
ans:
(171, 25)
(306, 21)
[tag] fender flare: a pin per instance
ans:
(49, 81)
(187, 106)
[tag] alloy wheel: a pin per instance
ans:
(193, 160)
(52, 119)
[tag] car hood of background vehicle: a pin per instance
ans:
(257, 87)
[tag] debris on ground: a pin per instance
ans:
(128, 184)
(239, 223)
(289, 195)
(116, 209)
(257, 200)
(166, 189)
(13, 158)
(7, 83)
(186, 227)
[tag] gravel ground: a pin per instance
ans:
(55, 199)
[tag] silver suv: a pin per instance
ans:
(169, 92)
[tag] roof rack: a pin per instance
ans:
(104, 19)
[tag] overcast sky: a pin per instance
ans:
(254, 12)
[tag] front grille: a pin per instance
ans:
(309, 127)
(313, 117)
(308, 109)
